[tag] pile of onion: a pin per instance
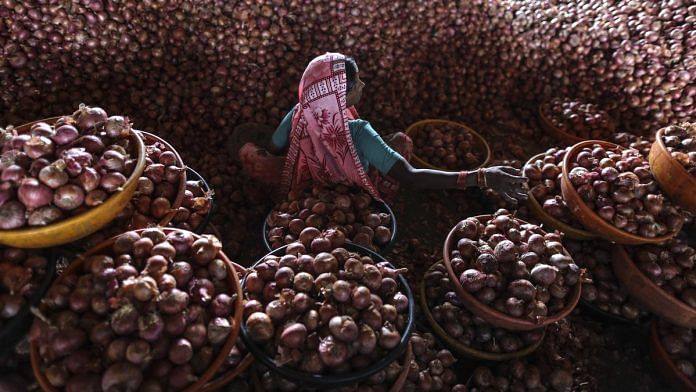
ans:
(545, 176)
(630, 140)
(57, 171)
(619, 186)
(448, 146)
(349, 211)
(680, 141)
(602, 288)
(468, 329)
(194, 207)
(669, 265)
(16, 374)
(321, 309)
(582, 119)
(514, 267)
(21, 273)
(678, 342)
(523, 375)
(151, 313)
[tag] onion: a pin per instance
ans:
(33, 194)
(259, 327)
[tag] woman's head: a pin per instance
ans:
(354, 85)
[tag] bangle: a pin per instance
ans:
(481, 178)
(461, 179)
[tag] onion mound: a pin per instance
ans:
(136, 328)
(345, 213)
(448, 146)
(311, 315)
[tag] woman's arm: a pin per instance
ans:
(507, 181)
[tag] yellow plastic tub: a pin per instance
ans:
(74, 228)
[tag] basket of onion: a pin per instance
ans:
(352, 212)
(64, 178)
(673, 163)
(527, 374)
(25, 275)
(612, 192)
(662, 278)
(465, 333)
(322, 312)
(602, 294)
(511, 273)
(159, 196)
(447, 145)
(572, 121)
(673, 351)
(151, 309)
(545, 200)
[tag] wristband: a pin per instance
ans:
(481, 178)
(461, 179)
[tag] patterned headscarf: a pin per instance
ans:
(321, 146)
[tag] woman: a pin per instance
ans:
(325, 142)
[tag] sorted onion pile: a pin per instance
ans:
(151, 313)
(582, 119)
(448, 146)
(61, 170)
(545, 176)
(670, 266)
(620, 188)
(349, 212)
(630, 140)
(514, 267)
(322, 309)
(678, 342)
(194, 207)
(472, 331)
(21, 273)
(680, 141)
(602, 288)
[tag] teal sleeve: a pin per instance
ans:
(376, 152)
(282, 133)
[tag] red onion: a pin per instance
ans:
(33, 194)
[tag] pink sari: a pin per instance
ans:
(321, 147)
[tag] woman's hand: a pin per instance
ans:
(508, 182)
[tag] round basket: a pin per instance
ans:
(674, 180)
(460, 348)
(491, 315)
(15, 329)
(414, 128)
(150, 138)
(335, 380)
(379, 205)
(647, 293)
(105, 247)
(664, 364)
(589, 219)
(556, 132)
(538, 211)
(82, 225)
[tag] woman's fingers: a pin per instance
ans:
(508, 198)
(511, 170)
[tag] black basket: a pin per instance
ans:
(18, 327)
(335, 380)
(379, 205)
(192, 175)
